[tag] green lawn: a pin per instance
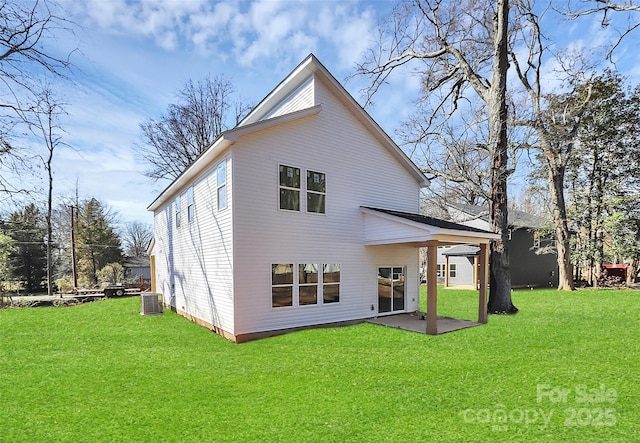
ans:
(565, 369)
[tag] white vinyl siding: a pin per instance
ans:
(194, 264)
(300, 98)
(359, 172)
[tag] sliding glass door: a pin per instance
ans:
(391, 289)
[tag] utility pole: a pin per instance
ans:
(73, 249)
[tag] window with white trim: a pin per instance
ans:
(452, 270)
(307, 284)
(191, 210)
(316, 192)
(178, 213)
(221, 185)
(331, 283)
(313, 284)
(440, 270)
(281, 285)
(289, 188)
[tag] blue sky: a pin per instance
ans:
(135, 55)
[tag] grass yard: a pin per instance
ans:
(565, 369)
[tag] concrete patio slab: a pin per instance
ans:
(416, 322)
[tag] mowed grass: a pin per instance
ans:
(565, 369)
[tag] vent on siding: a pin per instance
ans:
(151, 304)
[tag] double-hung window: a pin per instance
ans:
(281, 285)
(289, 188)
(331, 283)
(191, 210)
(452, 270)
(308, 284)
(178, 213)
(316, 192)
(221, 184)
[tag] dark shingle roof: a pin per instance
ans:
(515, 218)
(431, 221)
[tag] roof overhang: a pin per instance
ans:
(381, 228)
(224, 141)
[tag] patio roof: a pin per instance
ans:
(388, 227)
(385, 226)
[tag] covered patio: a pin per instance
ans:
(383, 227)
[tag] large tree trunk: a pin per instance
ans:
(500, 282)
(556, 185)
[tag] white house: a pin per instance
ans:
(304, 214)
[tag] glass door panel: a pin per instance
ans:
(391, 292)
(398, 289)
(384, 289)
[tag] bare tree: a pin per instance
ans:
(45, 124)
(25, 27)
(136, 236)
(176, 139)
(458, 45)
(554, 118)
(606, 8)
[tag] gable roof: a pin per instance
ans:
(515, 218)
(259, 118)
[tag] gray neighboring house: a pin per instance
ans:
(134, 267)
(532, 257)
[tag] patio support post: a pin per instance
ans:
(483, 280)
(476, 269)
(432, 287)
(446, 271)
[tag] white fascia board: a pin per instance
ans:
(192, 172)
(225, 140)
(239, 131)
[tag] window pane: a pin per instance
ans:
(308, 274)
(282, 274)
(221, 175)
(331, 293)
(191, 213)
(315, 181)
(331, 273)
(289, 177)
(281, 296)
(315, 203)
(308, 295)
(189, 196)
(222, 197)
(289, 199)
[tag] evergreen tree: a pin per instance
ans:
(97, 243)
(28, 261)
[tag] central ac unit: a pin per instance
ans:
(151, 304)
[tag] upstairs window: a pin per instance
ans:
(191, 211)
(178, 214)
(221, 184)
(316, 192)
(289, 188)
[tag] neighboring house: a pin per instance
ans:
(532, 259)
(304, 214)
(134, 267)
